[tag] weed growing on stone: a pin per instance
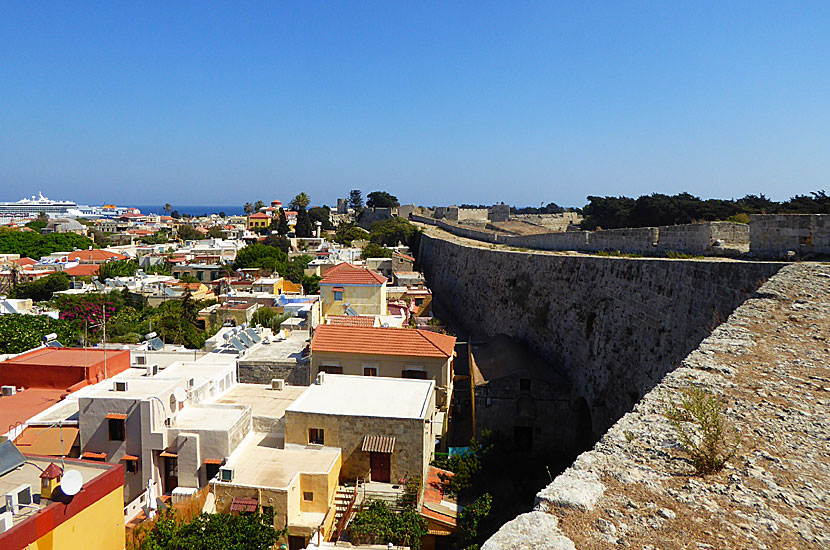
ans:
(682, 256)
(702, 429)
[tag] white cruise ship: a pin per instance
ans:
(31, 207)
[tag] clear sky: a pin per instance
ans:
(437, 103)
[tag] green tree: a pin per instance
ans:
(167, 208)
(277, 241)
(381, 199)
(378, 524)
(282, 223)
(258, 205)
(392, 231)
(19, 333)
(260, 255)
(374, 250)
(311, 284)
(117, 268)
(348, 232)
(30, 244)
(43, 288)
(248, 208)
(159, 237)
(189, 233)
(300, 201)
(216, 232)
(303, 227)
(321, 214)
(356, 200)
(38, 223)
(212, 532)
(470, 522)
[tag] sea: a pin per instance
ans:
(193, 210)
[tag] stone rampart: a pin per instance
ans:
(553, 222)
(767, 366)
(616, 325)
(776, 235)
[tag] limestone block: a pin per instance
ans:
(533, 530)
(573, 489)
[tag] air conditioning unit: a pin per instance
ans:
(6, 521)
(277, 384)
(8, 391)
(190, 383)
(152, 370)
(321, 377)
(119, 386)
(21, 495)
(226, 474)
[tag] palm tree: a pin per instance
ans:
(167, 208)
(300, 201)
(259, 205)
(249, 208)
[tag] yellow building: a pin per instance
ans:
(389, 352)
(297, 484)
(92, 518)
(259, 220)
(348, 287)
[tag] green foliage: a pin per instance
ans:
(34, 245)
(213, 531)
(215, 232)
(42, 289)
(300, 201)
(378, 524)
(117, 268)
(303, 227)
(158, 269)
(739, 218)
(282, 223)
(658, 209)
(618, 254)
(248, 208)
(159, 237)
(269, 318)
(381, 199)
(702, 430)
(189, 233)
(467, 468)
(356, 200)
(470, 521)
(261, 255)
(295, 268)
(277, 241)
(188, 278)
(348, 232)
(321, 214)
(99, 237)
(374, 250)
(311, 284)
(682, 256)
(550, 208)
(38, 224)
(19, 333)
(394, 230)
(258, 205)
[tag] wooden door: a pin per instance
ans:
(381, 464)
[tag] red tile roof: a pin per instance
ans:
(382, 341)
(351, 320)
(260, 216)
(95, 255)
(25, 261)
(348, 274)
(83, 270)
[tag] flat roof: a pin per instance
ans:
(205, 417)
(262, 399)
(29, 474)
(25, 404)
(259, 462)
(137, 388)
(375, 396)
(65, 357)
(280, 351)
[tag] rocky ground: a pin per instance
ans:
(769, 363)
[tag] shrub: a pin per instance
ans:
(702, 430)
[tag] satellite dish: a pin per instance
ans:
(71, 482)
(180, 395)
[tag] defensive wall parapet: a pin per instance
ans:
(776, 235)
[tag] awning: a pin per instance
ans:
(116, 416)
(168, 454)
(217, 461)
(89, 455)
(240, 504)
(129, 457)
(378, 444)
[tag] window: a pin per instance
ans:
(308, 495)
(524, 384)
(211, 469)
(338, 295)
(315, 436)
(419, 302)
(331, 369)
(116, 429)
(413, 373)
(370, 371)
(131, 466)
(140, 360)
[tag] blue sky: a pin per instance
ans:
(437, 103)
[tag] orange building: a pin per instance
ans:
(62, 368)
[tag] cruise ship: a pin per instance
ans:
(31, 207)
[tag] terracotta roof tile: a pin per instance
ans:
(382, 341)
(83, 270)
(348, 274)
(351, 320)
(95, 255)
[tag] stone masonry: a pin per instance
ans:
(768, 364)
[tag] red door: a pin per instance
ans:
(381, 465)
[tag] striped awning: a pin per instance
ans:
(378, 444)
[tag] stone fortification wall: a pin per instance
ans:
(768, 365)
(710, 238)
(253, 372)
(499, 213)
(774, 236)
(554, 222)
(616, 325)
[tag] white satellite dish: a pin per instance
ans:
(180, 395)
(71, 482)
